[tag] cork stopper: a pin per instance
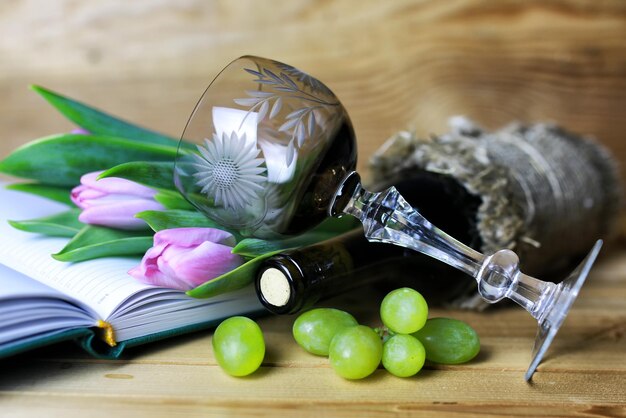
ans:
(275, 288)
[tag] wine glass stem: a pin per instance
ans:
(387, 217)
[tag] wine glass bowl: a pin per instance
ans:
(269, 147)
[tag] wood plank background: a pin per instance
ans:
(395, 65)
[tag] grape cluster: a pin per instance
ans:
(355, 351)
(407, 340)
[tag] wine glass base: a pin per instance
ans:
(565, 295)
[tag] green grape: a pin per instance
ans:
(448, 341)
(404, 310)
(238, 346)
(403, 355)
(315, 329)
(355, 352)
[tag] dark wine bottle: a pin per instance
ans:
(294, 280)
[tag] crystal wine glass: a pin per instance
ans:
(274, 154)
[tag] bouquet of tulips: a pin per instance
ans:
(117, 180)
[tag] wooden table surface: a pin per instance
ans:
(394, 65)
(583, 374)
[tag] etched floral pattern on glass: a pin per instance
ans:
(264, 133)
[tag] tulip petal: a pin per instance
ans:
(120, 215)
(191, 237)
(116, 185)
(84, 197)
(151, 275)
(148, 271)
(75, 195)
(192, 267)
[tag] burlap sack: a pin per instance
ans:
(545, 193)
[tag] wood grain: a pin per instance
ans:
(583, 374)
(394, 65)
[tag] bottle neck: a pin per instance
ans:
(296, 279)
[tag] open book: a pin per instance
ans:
(43, 301)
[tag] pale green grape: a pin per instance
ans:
(238, 346)
(315, 329)
(355, 352)
(403, 355)
(448, 341)
(404, 310)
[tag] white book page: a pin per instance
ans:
(14, 285)
(29, 308)
(102, 284)
(176, 310)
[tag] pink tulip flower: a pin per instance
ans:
(113, 201)
(183, 258)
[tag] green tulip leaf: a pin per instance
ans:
(155, 174)
(172, 200)
(64, 224)
(338, 225)
(176, 218)
(233, 280)
(100, 123)
(62, 159)
(56, 193)
(95, 242)
(253, 247)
